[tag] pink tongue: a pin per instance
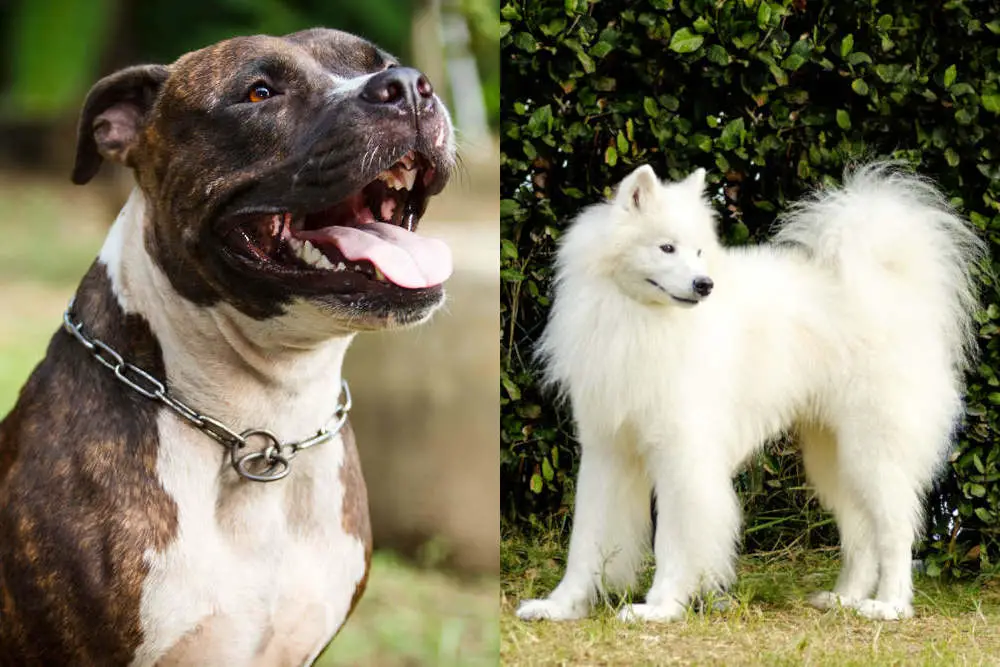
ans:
(406, 259)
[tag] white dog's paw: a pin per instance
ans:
(825, 600)
(549, 610)
(884, 611)
(657, 613)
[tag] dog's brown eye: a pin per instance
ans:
(259, 92)
(667, 248)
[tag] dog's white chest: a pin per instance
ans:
(259, 574)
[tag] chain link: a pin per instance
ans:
(268, 464)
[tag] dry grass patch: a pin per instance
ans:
(767, 622)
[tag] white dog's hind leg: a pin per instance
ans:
(611, 524)
(859, 567)
(889, 473)
(895, 507)
(698, 518)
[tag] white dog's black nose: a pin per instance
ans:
(702, 286)
(404, 87)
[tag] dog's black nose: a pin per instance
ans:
(702, 285)
(404, 87)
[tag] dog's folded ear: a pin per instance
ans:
(638, 188)
(113, 117)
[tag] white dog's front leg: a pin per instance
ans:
(697, 522)
(610, 528)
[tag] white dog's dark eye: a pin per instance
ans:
(699, 252)
(667, 248)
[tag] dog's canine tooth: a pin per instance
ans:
(340, 267)
(407, 160)
(379, 276)
(409, 177)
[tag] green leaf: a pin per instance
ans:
(702, 141)
(685, 41)
(975, 490)
(858, 57)
(984, 515)
(843, 119)
(793, 62)
(511, 275)
(508, 207)
(547, 472)
(718, 55)
(611, 156)
(601, 49)
(859, 86)
(949, 76)
(507, 248)
(991, 102)
(510, 12)
(536, 483)
(846, 46)
(764, 15)
(951, 156)
(733, 134)
(933, 570)
(540, 121)
(649, 106)
(526, 42)
(586, 61)
(512, 389)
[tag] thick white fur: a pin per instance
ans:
(851, 329)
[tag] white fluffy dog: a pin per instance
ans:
(851, 330)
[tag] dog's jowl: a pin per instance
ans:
(178, 481)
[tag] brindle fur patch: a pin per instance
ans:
(355, 517)
(80, 502)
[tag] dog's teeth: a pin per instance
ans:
(309, 254)
(379, 276)
(407, 160)
(340, 266)
(409, 177)
(390, 178)
(324, 263)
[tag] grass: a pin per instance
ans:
(767, 622)
(409, 615)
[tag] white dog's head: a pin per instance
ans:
(662, 239)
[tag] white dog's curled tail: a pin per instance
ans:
(895, 239)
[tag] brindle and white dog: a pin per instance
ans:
(280, 182)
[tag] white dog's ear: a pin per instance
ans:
(696, 181)
(636, 191)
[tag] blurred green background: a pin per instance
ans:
(432, 595)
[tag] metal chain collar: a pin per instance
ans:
(268, 464)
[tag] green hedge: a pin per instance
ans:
(773, 98)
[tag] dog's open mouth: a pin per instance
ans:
(372, 233)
